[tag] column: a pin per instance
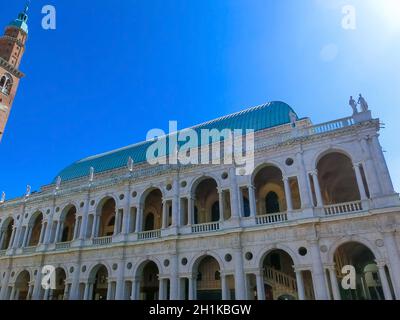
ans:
(334, 283)
(394, 260)
(116, 222)
(252, 201)
(234, 194)
(374, 183)
(161, 289)
(164, 215)
(190, 210)
(87, 291)
(318, 274)
(300, 285)
(360, 182)
(96, 218)
(66, 291)
(192, 288)
(320, 202)
(30, 290)
(126, 220)
(288, 194)
(260, 285)
(11, 244)
(57, 235)
(221, 204)
(139, 217)
(305, 192)
(25, 240)
(48, 230)
(224, 287)
(119, 287)
(38, 285)
(240, 285)
(380, 161)
(174, 279)
(12, 292)
(16, 237)
(76, 227)
(74, 291)
(109, 290)
(83, 231)
(42, 232)
(46, 294)
(175, 204)
(2, 239)
(384, 280)
(135, 289)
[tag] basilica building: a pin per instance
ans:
(319, 201)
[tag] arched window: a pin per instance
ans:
(6, 83)
(272, 202)
(149, 223)
(215, 212)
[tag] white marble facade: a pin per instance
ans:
(134, 256)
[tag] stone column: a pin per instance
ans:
(109, 290)
(119, 287)
(161, 289)
(320, 202)
(87, 291)
(95, 229)
(2, 237)
(42, 232)
(394, 260)
(240, 283)
(224, 287)
(117, 217)
(190, 210)
(57, 236)
(334, 283)
(374, 184)
(174, 279)
(305, 192)
(135, 289)
(12, 292)
(37, 290)
(386, 181)
(252, 201)
(318, 274)
(260, 285)
(221, 204)
(164, 214)
(288, 194)
(384, 281)
(28, 230)
(300, 285)
(16, 236)
(139, 218)
(235, 214)
(74, 292)
(76, 227)
(175, 204)
(360, 182)
(192, 288)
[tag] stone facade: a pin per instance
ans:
(187, 232)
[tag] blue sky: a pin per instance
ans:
(112, 70)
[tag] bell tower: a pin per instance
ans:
(12, 48)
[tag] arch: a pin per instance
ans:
(6, 83)
(205, 195)
(22, 285)
(106, 210)
(58, 292)
(148, 272)
(265, 252)
(142, 263)
(153, 204)
(337, 178)
(6, 233)
(207, 270)
(98, 282)
(334, 246)
(35, 228)
(195, 183)
(268, 179)
(68, 221)
(366, 276)
(197, 259)
(336, 149)
(147, 191)
(261, 166)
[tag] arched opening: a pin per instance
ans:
(337, 179)
(99, 278)
(6, 234)
(206, 201)
(208, 279)
(368, 284)
(280, 278)
(6, 83)
(107, 217)
(272, 202)
(58, 292)
(153, 210)
(270, 191)
(22, 286)
(149, 283)
(35, 227)
(68, 224)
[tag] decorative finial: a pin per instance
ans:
(28, 3)
(130, 164)
(91, 174)
(3, 197)
(58, 182)
(28, 191)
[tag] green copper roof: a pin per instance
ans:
(22, 20)
(258, 118)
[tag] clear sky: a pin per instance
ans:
(112, 70)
